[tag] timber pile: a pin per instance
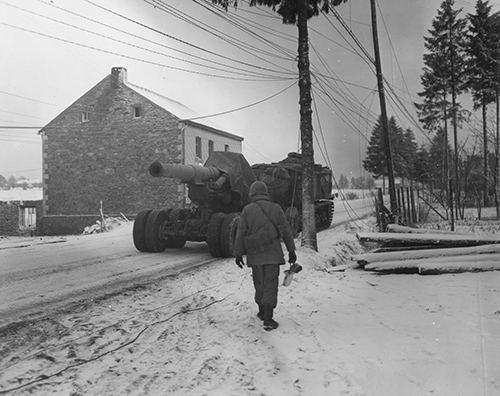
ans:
(410, 250)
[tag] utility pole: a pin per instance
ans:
(309, 238)
(383, 111)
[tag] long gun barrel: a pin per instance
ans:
(185, 173)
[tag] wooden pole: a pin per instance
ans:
(413, 211)
(383, 111)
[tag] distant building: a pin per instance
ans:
(99, 150)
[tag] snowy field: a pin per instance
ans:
(343, 331)
(18, 194)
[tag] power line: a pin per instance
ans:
(253, 74)
(242, 107)
(233, 19)
(21, 114)
(138, 59)
(27, 98)
(151, 41)
(168, 35)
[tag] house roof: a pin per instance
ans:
(184, 113)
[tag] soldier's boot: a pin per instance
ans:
(269, 322)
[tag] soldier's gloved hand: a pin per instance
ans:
(292, 257)
(239, 261)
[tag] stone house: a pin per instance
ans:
(96, 153)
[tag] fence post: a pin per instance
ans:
(399, 205)
(408, 206)
(403, 206)
(413, 211)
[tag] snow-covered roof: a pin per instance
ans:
(178, 109)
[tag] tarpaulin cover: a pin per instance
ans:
(237, 168)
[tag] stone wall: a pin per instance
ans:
(99, 150)
(10, 213)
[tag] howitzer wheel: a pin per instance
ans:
(213, 234)
(174, 242)
(138, 230)
(228, 233)
(324, 215)
(152, 231)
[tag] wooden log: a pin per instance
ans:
(413, 230)
(457, 267)
(367, 258)
(452, 240)
(472, 263)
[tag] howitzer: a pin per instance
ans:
(185, 173)
(218, 191)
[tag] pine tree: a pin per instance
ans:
(422, 168)
(374, 161)
(443, 79)
(343, 181)
(437, 155)
(403, 150)
(482, 42)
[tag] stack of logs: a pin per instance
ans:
(413, 250)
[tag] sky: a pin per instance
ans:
(241, 63)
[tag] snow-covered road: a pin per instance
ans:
(340, 333)
(39, 274)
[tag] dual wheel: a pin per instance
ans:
(147, 230)
(221, 233)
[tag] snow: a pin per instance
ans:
(345, 332)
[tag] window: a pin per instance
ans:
(210, 147)
(85, 116)
(226, 147)
(27, 217)
(137, 111)
(198, 147)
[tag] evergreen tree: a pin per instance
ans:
(422, 168)
(437, 155)
(375, 161)
(12, 181)
(343, 181)
(482, 43)
(444, 78)
(410, 150)
(3, 181)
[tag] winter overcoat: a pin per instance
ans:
(252, 220)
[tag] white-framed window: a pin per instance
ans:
(226, 147)
(85, 116)
(27, 218)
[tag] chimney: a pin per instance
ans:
(120, 73)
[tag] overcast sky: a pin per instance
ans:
(51, 59)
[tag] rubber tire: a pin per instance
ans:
(213, 234)
(176, 242)
(138, 230)
(331, 209)
(152, 233)
(228, 233)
